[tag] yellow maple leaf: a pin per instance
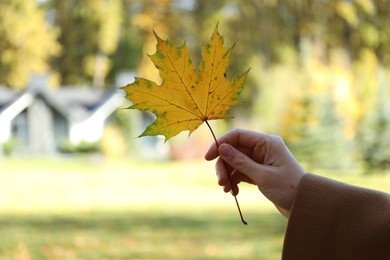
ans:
(186, 99)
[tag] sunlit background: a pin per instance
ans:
(76, 183)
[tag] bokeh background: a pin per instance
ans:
(75, 183)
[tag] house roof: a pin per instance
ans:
(79, 103)
(74, 103)
(7, 95)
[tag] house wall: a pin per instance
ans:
(61, 129)
(5, 131)
(40, 131)
(19, 131)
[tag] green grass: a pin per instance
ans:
(142, 235)
(88, 209)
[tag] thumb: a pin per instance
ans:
(241, 162)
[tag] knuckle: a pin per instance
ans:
(241, 162)
(235, 131)
(277, 140)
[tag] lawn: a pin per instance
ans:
(87, 209)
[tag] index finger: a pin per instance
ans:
(237, 138)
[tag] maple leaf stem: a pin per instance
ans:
(235, 197)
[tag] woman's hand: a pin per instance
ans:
(260, 159)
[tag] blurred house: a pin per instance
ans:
(41, 119)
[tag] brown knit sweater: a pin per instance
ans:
(334, 220)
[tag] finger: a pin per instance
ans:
(242, 163)
(243, 138)
(237, 177)
(222, 172)
(212, 153)
(237, 138)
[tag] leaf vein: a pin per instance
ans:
(169, 102)
(176, 71)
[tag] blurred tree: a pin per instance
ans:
(129, 51)
(89, 35)
(374, 132)
(316, 138)
(163, 17)
(26, 42)
(310, 120)
(176, 20)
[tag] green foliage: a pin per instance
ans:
(26, 42)
(128, 53)
(89, 34)
(374, 135)
(83, 147)
(10, 146)
(318, 139)
(123, 121)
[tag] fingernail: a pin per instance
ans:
(225, 151)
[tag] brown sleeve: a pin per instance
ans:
(334, 220)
